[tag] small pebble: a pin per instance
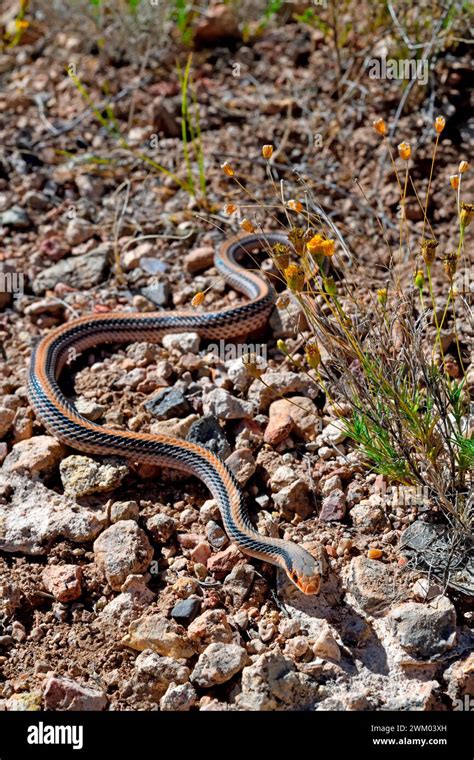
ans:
(375, 554)
(186, 610)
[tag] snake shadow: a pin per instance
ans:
(360, 642)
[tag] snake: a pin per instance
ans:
(62, 420)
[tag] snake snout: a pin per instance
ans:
(303, 570)
(309, 586)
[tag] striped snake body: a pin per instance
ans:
(61, 419)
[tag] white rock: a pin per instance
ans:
(36, 516)
(121, 550)
(217, 664)
(221, 404)
(326, 646)
(334, 433)
(283, 476)
(183, 343)
(78, 231)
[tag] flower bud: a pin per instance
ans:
(419, 279)
(281, 255)
(198, 299)
(295, 205)
(295, 277)
(380, 126)
(247, 225)
(313, 354)
(330, 286)
(454, 180)
(467, 213)
(428, 251)
(450, 263)
(297, 237)
(404, 150)
(227, 169)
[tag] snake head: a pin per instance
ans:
(303, 570)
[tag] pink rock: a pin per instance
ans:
(63, 581)
(54, 247)
(189, 540)
(3, 451)
(221, 564)
(199, 259)
(296, 415)
(201, 553)
(61, 693)
(334, 506)
(279, 427)
(380, 484)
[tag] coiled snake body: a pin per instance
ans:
(61, 419)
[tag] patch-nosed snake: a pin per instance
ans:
(61, 419)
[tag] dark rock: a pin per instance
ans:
(218, 24)
(36, 200)
(168, 403)
(208, 433)
(186, 610)
(239, 582)
(82, 272)
(354, 631)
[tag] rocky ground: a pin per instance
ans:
(118, 586)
